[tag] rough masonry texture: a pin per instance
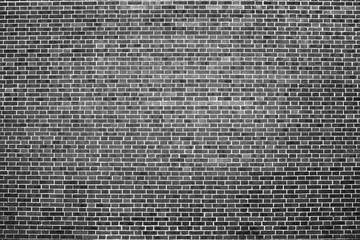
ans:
(180, 119)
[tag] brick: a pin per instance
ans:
(179, 119)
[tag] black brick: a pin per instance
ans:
(179, 119)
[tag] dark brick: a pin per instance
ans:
(179, 119)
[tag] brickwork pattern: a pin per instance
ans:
(180, 119)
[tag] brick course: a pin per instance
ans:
(180, 119)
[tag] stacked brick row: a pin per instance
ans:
(180, 119)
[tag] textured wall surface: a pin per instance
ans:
(180, 119)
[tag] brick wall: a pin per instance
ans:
(180, 119)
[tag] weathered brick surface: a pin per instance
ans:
(180, 119)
